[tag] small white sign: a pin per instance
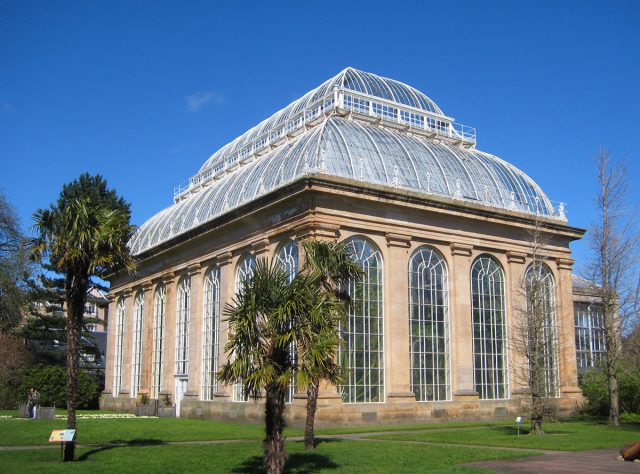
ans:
(519, 420)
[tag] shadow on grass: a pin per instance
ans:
(298, 462)
(119, 444)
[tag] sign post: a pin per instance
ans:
(519, 422)
(62, 437)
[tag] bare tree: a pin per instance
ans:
(535, 334)
(614, 265)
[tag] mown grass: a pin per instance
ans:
(332, 456)
(25, 432)
(560, 436)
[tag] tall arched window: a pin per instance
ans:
(136, 348)
(287, 258)
(245, 269)
(244, 272)
(157, 363)
(362, 352)
(182, 326)
(542, 327)
(429, 325)
(490, 368)
(117, 359)
(210, 328)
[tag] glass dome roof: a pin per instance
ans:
(348, 79)
(356, 150)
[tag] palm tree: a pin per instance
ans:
(82, 235)
(267, 317)
(330, 267)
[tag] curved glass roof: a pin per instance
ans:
(348, 79)
(355, 150)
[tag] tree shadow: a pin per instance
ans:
(297, 462)
(118, 443)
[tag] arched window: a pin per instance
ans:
(157, 363)
(542, 327)
(244, 272)
(245, 269)
(117, 360)
(490, 368)
(136, 349)
(182, 326)
(287, 258)
(362, 352)
(210, 328)
(429, 325)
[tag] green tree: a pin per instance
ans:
(15, 269)
(82, 235)
(329, 266)
(268, 316)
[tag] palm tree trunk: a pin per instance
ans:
(76, 290)
(275, 456)
(312, 404)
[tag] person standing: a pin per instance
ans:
(30, 403)
(35, 396)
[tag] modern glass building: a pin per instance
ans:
(440, 228)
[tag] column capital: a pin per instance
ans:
(260, 246)
(461, 249)
(516, 257)
(565, 263)
(317, 231)
(166, 278)
(398, 240)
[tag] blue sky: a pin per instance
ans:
(144, 92)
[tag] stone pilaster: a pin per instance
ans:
(396, 326)
(227, 291)
(518, 364)
(196, 275)
(461, 327)
(566, 330)
(147, 338)
(169, 353)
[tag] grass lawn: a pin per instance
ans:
(561, 436)
(387, 454)
(332, 456)
(25, 432)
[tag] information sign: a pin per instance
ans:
(62, 436)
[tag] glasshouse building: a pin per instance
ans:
(441, 230)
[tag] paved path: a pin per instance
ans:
(583, 462)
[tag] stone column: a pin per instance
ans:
(461, 327)
(227, 292)
(566, 330)
(396, 324)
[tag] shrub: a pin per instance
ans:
(51, 382)
(595, 385)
